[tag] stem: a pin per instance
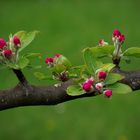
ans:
(20, 77)
(116, 55)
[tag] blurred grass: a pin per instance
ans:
(67, 26)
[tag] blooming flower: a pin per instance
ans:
(108, 93)
(2, 43)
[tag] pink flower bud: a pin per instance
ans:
(90, 81)
(57, 55)
(102, 42)
(49, 60)
(121, 38)
(116, 33)
(2, 43)
(87, 86)
(102, 75)
(7, 53)
(16, 41)
(108, 93)
(99, 86)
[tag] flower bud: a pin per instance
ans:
(2, 43)
(16, 41)
(49, 60)
(108, 93)
(57, 55)
(102, 42)
(87, 86)
(90, 81)
(99, 86)
(102, 75)
(7, 53)
(121, 38)
(116, 33)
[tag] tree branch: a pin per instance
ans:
(27, 95)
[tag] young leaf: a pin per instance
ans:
(120, 88)
(75, 90)
(33, 55)
(104, 51)
(134, 51)
(40, 75)
(106, 67)
(23, 62)
(26, 39)
(113, 78)
(62, 60)
(91, 62)
(20, 34)
(59, 68)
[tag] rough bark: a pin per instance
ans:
(25, 94)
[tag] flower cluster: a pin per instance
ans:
(52, 61)
(117, 37)
(8, 49)
(58, 66)
(118, 40)
(90, 84)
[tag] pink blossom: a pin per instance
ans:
(57, 55)
(102, 42)
(108, 93)
(121, 38)
(90, 81)
(2, 43)
(87, 86)
(116, 33)
(99, 86)
(7, 53)
(16, 41)
(102, 75)
(49, 60)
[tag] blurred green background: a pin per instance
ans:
(67, 26)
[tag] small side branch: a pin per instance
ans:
(20, 77)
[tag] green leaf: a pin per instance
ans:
(77, 70)
(104, 51)
(34, 55)
(40, 75)
(106, 67)
(126, 58)
(91, 62)
(59, 68)
(22, 63)
(134, 51)
(11, 65)
(62, 60)
(75, 90)
(113, 78)
(21, 34)
(120, 88)
(26, 38)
